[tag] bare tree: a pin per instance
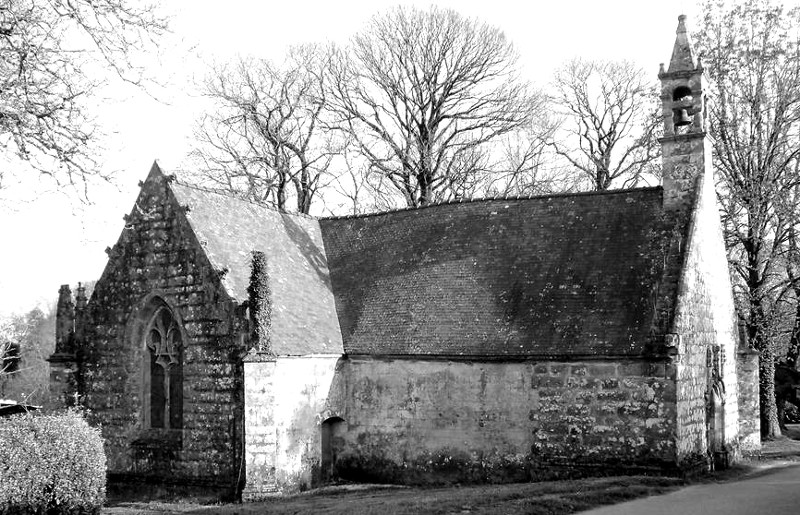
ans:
(265, 139)
(526, 165)
(51, 53)
(609, 130)
(421, 93)
(752, 55)
(355, 190)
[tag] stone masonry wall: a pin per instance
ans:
(286, 400)
(749, 419)
(62, 381)
(158, 256)
(413, 420)
(705, 322)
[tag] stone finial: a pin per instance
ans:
(155, 169)
(683, 52)
(80, 298)
(65, 320)
(80, 315)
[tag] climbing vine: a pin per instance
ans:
(259, 303)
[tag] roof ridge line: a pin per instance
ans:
(230, 195)
(494, 199)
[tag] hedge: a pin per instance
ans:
(51, 464)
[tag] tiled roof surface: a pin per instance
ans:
(547, 276)
(303, 313)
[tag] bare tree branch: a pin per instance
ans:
(610, 126)
(267, 140)
(49, 55)
(422, 93)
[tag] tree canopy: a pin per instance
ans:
(750, 51)
(421, 93)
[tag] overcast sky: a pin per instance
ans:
(48, 240)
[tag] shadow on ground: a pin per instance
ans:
(786, 446)
(552, 497)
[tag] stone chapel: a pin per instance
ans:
(233, 346)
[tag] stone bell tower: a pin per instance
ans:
(686, 148)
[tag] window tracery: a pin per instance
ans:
(164, 355)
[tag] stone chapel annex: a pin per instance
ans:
(231, 345)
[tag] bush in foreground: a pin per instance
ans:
(51, 464)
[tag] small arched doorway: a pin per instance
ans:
(331, 442)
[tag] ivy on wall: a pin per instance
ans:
(259, 303)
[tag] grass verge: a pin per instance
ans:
(552, 498)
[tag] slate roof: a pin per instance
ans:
(229, 229)
(561, 275)
(565, 275)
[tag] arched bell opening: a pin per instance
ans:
(682, 93)
(682, 110)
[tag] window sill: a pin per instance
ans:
(171, 439)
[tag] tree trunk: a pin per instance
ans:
(793, 351)
(423, 181)
(758, 334)
(794, 341)
(770, 427)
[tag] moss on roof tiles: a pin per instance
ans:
(547, 276)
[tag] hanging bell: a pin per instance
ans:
(681, 117)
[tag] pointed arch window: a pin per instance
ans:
(164, 369)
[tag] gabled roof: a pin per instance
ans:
(560, 275)
(229, 230)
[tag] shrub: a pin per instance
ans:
(51, 464)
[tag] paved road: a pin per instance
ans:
(774, 492)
